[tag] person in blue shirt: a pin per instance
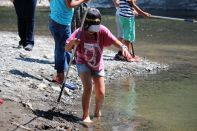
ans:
(60, 26)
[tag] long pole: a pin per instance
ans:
(132, 48)
(172, 18)
(73, 54)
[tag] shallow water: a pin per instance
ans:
(165, 101)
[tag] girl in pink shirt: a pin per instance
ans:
(90, 65)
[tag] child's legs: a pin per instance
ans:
(86, 79)
(100, 94)
(128, 28)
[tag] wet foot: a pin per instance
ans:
(87, 120)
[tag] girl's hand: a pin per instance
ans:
(135, 13)
(69, 46)
(126, 53)
(75, 41)
(146, 15)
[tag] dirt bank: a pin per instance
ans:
(29, 96)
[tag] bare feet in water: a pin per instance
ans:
(87, 120)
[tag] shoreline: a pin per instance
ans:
(25, 80)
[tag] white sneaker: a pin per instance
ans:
(29, 47)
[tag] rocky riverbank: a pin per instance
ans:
(29, 95)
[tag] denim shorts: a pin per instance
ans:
(84, 68)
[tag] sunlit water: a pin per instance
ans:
(165, 101)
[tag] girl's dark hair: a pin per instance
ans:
(93, 17)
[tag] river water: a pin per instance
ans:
(166, 100)
(162, 101)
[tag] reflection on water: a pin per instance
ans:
(119, 108)
(121, 96)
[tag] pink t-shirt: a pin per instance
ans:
(89, 52)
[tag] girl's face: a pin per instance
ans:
(90, 34)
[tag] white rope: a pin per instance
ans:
(171, 18)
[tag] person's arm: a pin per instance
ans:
(116, 3)
(135, 13)
(140, 11)
(74, 3)
(72, 41)
(69, 46)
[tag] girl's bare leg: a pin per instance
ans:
(86, 97)
(100, 94)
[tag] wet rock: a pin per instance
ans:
(47, 56)
(33, 85)
(67, 92)
(7, 84)
(44, 127)
(27, 105)
(42, 86)
(23, 55)
(63, 127)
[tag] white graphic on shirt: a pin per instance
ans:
(91, 51)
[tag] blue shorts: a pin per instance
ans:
(84, 68)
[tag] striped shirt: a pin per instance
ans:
(126, 9)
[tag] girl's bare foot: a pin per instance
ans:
(87, 119)
(97, 113)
